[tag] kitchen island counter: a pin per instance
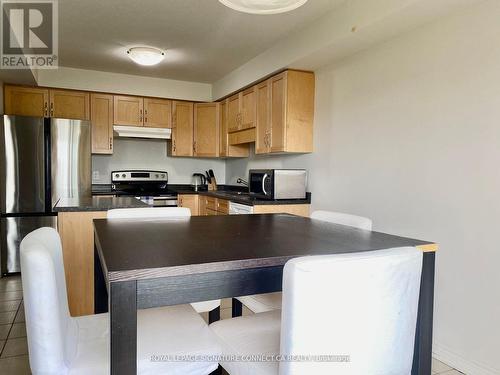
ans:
(96, 203)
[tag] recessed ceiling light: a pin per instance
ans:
(263, 6)
(146, 55)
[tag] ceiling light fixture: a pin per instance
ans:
(146, 55)
(263, 6)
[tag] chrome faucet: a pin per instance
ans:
(242, 181)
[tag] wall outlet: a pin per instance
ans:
(95, 176)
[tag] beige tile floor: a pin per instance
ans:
(14, 348)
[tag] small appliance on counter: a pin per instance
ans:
(199, 182)
(277, 183)
(151, 187)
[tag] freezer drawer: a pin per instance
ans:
(12, 231)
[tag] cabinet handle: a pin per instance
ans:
(173, 144)
(110, 143)
(51, 109)
(194, 146)
(140, 115)
(46, 109)
(145, 115)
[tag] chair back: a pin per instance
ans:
(149, 213)
(51, 331)
(359, 222)
(361, 305)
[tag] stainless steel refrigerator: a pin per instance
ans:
(41, 160)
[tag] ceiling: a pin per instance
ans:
(204, 39)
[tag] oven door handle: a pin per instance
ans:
(264, 183)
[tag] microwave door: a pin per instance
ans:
(260, 185)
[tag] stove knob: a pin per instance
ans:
(124, 175)
(163, 175)
(157, 175)
(117, 175)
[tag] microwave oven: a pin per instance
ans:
(277, 183)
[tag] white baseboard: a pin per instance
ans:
(454, 360)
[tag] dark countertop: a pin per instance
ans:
(206, 243)
(229, 192)
(96, 203)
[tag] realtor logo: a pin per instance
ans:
(29, 34)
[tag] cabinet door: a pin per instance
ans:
(182, 128)
(190, 201)
(263, 130)
(128, 110)
(248, 108)
(157, 113)
(233, 113)
(278, 112)
(223, 129)
(101, 117)
(206, 129)
(26, 101)
(225, 149)
(203, 202)
(69, 104)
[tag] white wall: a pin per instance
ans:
(151, 154)
(408, 133)
(93, 80)
(332, 37)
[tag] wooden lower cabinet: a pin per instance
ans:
(190, 201)
(77, 237)
(294, 209)
(211, 206)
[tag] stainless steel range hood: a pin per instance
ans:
(142, 132)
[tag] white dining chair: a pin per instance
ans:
(258, 303)
(361, 307)
(59, 344)
(359, 222)
(212, 306)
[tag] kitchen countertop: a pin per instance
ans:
(96, 203)
(229, 192)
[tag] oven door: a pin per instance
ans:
(260, 182)
(165, 201)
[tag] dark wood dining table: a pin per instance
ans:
(145, 263)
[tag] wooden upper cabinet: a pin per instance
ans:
(182, 128)
(128, 110)
(157, 113)
(26, 101)
(225, 149)
(101, 117)
(233, 113)
(69, 104)
(206, 129)
(223, 128)
(278, 112)
(263, 130)
(248, 112)
(286, 123)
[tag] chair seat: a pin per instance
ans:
(206, 306)
(173, 330)
(254, 334)
(260, 303)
